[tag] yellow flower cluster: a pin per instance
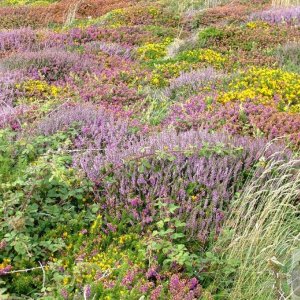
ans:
(203, 55)
(5, 263)
(38, 88)
(256, 24)
(105, 260)
(115, 18)
(153, 50)
(96, 224)
(153, 11)
(125, 238)
(266, 86)
(163, 72)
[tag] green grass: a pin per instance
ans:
(264, 233)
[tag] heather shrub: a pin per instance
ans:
(8, 80)
(231, 13)
(131, 35)
(50, 64)
(17, 40)
(191, 82)
(84, 115)
(259, 120)
(288, 15)
(251, 36)
(235, 118)
(148, 150)
(12, 18)
(141, 15)
(158, 166)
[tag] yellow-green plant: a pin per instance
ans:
(151, 51)
(38, 88)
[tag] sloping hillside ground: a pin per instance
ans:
(149, 149)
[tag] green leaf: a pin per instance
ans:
(176, 236)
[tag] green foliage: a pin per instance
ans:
(41, 198)
(209, 33)
(169, 241)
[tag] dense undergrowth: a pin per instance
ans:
(149, 149)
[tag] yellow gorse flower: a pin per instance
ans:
(153, 50)
(273, 87)
(39, 88)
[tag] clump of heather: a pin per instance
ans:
(130, 35)
(124, 145)
(193, 81)
(17, 40)
(8, 80)
(183, 288)
(289, 15)
(193, 113)
(195, 169)
(85, 115)
(12, 116)
(97, 91)
(122, 50)
(116, 86)
(50, 64)
(235, 118)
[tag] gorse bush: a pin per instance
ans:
(266, 86)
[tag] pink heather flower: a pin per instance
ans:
(175, 283)
(64, 294)
(193, 283)
(145, 287)
(87, 291)
(129, 278)
(134, 202)
(156, 293)
(111, 227)
(3, 244)
(152, 273)
(84, 231)
(4, 270)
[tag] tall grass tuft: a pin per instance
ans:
(265, 228)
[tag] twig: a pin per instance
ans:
(44, 274)
(25, 270)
